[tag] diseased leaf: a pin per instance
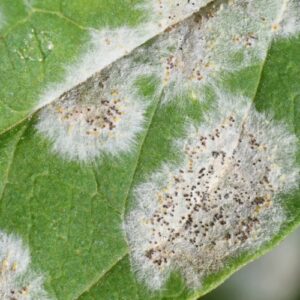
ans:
(148, 149)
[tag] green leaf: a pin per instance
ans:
(78, 143)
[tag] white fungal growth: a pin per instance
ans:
(222, 200)
(101, 116)
(290, 23)
(168, 12)
(188, 56)
(17, 280)
(107, 45)
(105, 120)
(223, 38)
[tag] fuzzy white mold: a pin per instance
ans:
(101, 116)
(290, 23)
(89, 121)
(28, 4)
(223, 38)
(231, 37)
(17, 280)
(108, 45)
(220, 201)
(188, 56)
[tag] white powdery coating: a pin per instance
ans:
(290, 23)
(108, 45)
(101, 116)
(225, 39)
(17, 280)
(222, 199)
(187, 57)
(84, 129)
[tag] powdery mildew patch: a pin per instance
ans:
(91, 120)
(220, 201)
(108, 45)
(168, 12)
(17, 280)
(104, 115)
(290, 24)
(227, 37)
(2, 19)
(101, 116)
(222, 38)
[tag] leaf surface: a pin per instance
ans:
(71, 213)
